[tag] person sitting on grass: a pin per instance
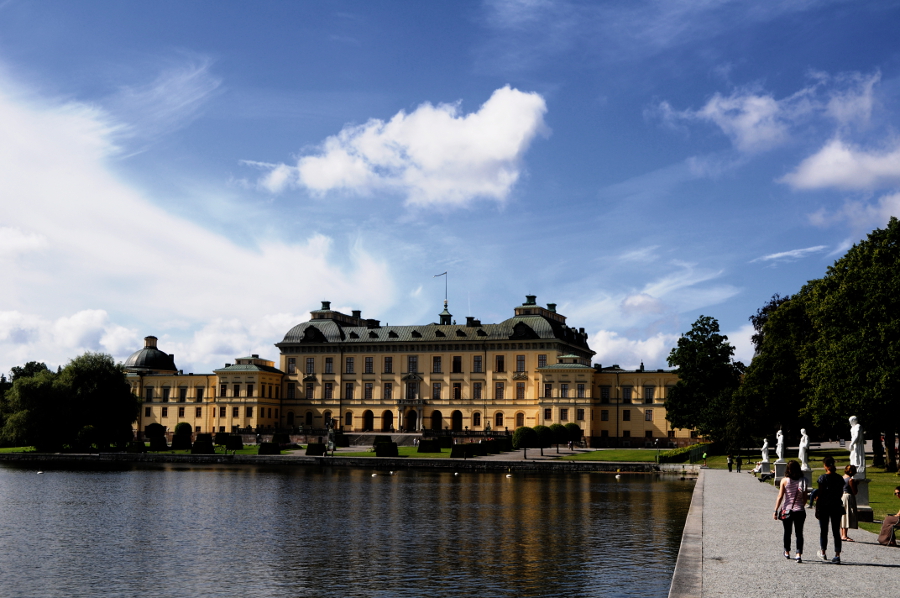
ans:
(886, 537)
(756, 469)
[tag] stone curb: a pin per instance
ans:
(687, 580)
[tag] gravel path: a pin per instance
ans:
(742, 549)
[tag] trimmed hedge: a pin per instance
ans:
(136, 447)
(429, 445)
(281, 438)
(315, 449)
(384, 449)
(204, 438)
(446, 441)
(222, 438)
(183, 429)
(468, 450)
(382, 439)
(680, 455)
(181, 442)
(270, 448)
(234, 443)
(203, 447)
(491, 447)
(158, 444)
(154, 431)
(341, 441)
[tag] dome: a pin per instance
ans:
(150, 359)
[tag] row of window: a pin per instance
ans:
(198, 412)
(564, 391)
(267, 391)
(412, 364)
(413, 391)
(166, 394)
(628, 393)
(626, 415)
(563, 414)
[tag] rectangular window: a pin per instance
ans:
(277, 390)
(548, 390)
(476, 391)
(165, 412)
(148, 395)
(604, 394)
(498, 419)
(249, 390)
(671, 433)
(604, 415)
(457, 391)
(520, 363)
(520, 391)
(198, 412)
(500, 363)
(221, 428)
(250, 412)
(221, 411)
(476, 419)
(223, 391)
(388, 391)
(235, 412)
(457, 364)
(648, 434)
(412, 363)
(348, 391)
(165, 397)
(412, 391)
(648, 415)
(329, 365)
(498, 391)
(350, 366)
(436, 364)
(276, 414)
(626, 415)
(388, 365)
(564, 391)
(579, 415)
(436, 391)
(292, 365)
(310, 365)
(542, 361)
(291, 390)
(181, 412)
(270, 413)
(477, 365)
(310, 389)
(370, 365)
(626, 394)
(329, 390)
(548, 414)
(626, 434)
(563, 415)
(237, 390)
(649, 391)
(146, 411)
(198, 395)
(368, 391)
(182, 395)
(580, 391)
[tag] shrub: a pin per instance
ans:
(154, 431)
(222, 437)
(544, 436)
(429, 445)
(560, 434)
(180, 442)
(204, 438)
(203, 447)
(281, 438)
(524, 437)
(458, 451)
(575, 432)
(184, 429)
(234, 443)
(136, 447)
(504, 443)
(158, 444)
(270, 448)
(680, 455)
(315, 449)
(445, 441)
(380, 439)
(385, 449)
(468, 450)
(341, 441)
(491, 446)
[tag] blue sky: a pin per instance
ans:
(208, 172)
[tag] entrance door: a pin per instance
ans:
(368, 421)
(387, 421)
(456, 421)
(437, 420)
(411, 417)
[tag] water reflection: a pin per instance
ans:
(212, 531)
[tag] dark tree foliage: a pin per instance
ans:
(524, 438)
(38, 412)
(184, 429)
(707, 378)
(560, 435)
(762, 315)
(544, 437)
(28, 370)
(575, 432)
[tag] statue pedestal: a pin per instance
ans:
(807, 473)
(764, 467)
(780, 468)
(863, 510)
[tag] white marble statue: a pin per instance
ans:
(779, 446)
(857, 447)
(804, 451)
(765, 450)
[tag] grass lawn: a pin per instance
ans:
(404, 451)
(17, 449)
(642, 455)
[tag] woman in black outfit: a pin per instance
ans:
(792, 498)
(830, 509)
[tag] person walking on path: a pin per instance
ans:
(789, 507)
(730, 462)
(829, 509)
(739, 463)
(848, 500)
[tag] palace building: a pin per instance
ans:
(530, 369)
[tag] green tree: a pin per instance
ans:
(707, 378)
(38, 412)
(544, 437)
(560, 435)
(28, 370)
(524, 438)
(575, 432)
(852, 362)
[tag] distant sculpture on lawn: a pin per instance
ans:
(765, 450)
(857, 448)
(804, 450)
(779, 446)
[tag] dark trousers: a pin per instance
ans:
(835, 519)
(729, 468)
(795, 521)
(739, 467)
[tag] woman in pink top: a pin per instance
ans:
(792, 494)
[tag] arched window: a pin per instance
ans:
(348, 419)
(326, 418)
(520, 420)
(476, 419)
(498, 419)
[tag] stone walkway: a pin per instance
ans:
(742, 550)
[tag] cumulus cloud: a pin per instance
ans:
(846, 166)
(740, 339)
(861, 216)
(611, 347)
(434, 155)
(790, 256)
(14, 241)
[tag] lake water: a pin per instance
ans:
(253, 531)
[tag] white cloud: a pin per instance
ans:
(845, 166)
(613, 348)
(792, 255)
(434, 155)
(854, 104)
(740, 339)
(76, 240)
(861, 216)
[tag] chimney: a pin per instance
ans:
(326, 306)
(254, 356)
(357, 313)
(530, 299)
(551, 307)
(149, 342)
(470, 321)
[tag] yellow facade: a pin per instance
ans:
(528, 370)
